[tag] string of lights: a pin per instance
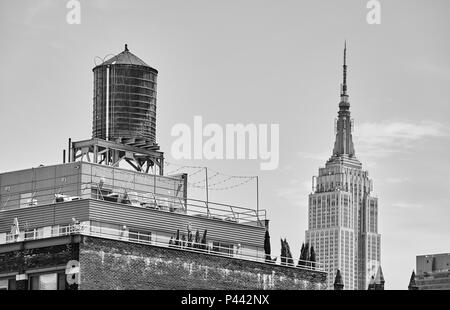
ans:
(217, 174)
(203, 180)
(180, 167)
(226, 187)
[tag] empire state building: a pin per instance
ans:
(343, 216)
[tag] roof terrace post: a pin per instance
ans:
(161, 167)
(257, 198)
(107, 103)
(69, 151)
(95, 154)
(154, 182)
(207, 194)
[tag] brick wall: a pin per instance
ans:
(25, 259)
(38, 258)
(107, 264)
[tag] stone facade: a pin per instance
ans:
(119, 265)
(108, 264)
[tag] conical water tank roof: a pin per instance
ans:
(125, 58)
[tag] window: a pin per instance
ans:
(40, 232)
(44, 282)
(139, 236)
(36, 233)
(61, 281)
(105, 228)
(30, 234)
(223, 248)
(49, 281)
(55, 230)
(7, 284)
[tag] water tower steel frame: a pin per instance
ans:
(124, 116)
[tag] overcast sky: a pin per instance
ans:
(256, 62)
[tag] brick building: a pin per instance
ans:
(111, 264)
(130, 242)
(88, 223)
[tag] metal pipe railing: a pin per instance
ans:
(159, 179)
(157, 201)
(160, 240)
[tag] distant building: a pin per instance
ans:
(433, 273)
(343, 214)
(412, 282)
(377, 283)
(338, 284)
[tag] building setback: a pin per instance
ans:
(343, 216)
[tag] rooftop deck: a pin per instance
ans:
(74, 181)
(161, 241)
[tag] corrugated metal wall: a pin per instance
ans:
(168, 222)
(133, 217)
(48, 215)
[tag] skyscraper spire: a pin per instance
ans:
(344, 96)
(344, 142)
(349, 188)
(344, 82)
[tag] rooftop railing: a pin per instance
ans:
(133, 197)
(163, 241)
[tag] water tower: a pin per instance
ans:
(124, 116)
(125, 99)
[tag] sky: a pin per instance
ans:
(255, 62)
